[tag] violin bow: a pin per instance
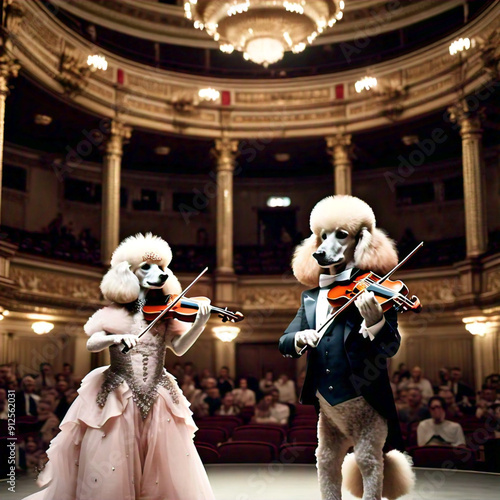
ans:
(334, 314)
(125, 348)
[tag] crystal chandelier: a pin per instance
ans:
(264, 29)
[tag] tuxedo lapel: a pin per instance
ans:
(310, 298)
(349, 325)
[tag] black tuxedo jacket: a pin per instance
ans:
(367, 359)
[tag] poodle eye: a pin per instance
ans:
(341, 234)
(145, 267)
(324, 236)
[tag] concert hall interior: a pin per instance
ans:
(218, 125)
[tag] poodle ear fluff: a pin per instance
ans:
(304, 265)
(375, 251)
(120, 284)
(172, 285)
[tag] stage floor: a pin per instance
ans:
(299, 482)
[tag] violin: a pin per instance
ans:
(391, 293)
(388, 293)
(184, 309)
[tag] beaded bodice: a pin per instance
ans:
(141, 368)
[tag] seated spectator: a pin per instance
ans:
(195, 396)
(443, 379)
(286, 389)
(228, 407)
(46, 379)
(205, 374)
(243, 396)
(264, 413)
(404, 373)
(417, 380)
(65, 402)
(178, 371)
(415, 411)
(493, 381)
(190, 370)
(47, 421)
(462, 392)
(224, 382)
(266, 385)
(33, 455)
(5, 374)
(279, 410)
(437, 431)
(401, 399)
(26, 399)
(67, 373)
(487, 399)
(395, 379)
(452, 409)
(213, 400)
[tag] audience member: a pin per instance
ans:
(404, 373)
(46, 379)
(67, 373)
(243, 396)
(452, 409)
(189, 369)
(401, 399)
(286, 389)
(462, 392)
(487, 399)
(225, 382)
(195, 396)
(65, 402)
(493, 381)
(213, 400)
(47, 421)
(26, 399)
(270, 412)
(415, 411)
(438, 431)
(417, 380)
(443, 379)
(228, 407)
(266, 385)
(279, 410)
(496, 419)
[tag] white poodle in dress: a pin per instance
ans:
(346, 367)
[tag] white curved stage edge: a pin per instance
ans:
(299, 482)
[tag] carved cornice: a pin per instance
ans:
(417, 83)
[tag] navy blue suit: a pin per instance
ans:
(364, 371)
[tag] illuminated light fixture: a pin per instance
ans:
(278, 201)
(42, 327)
(43, 120)
(366, 83)
(477, 325)
(5, 312)
(209, 94)
(226, 333)
(460, 45)
(263, 30)
(1, 317)
(97, 62)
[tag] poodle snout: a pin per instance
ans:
(161, 280)
(321, 258)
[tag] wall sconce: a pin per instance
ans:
(477, 325)
(42, 327)
(226, 333)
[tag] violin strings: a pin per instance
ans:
(401, 297)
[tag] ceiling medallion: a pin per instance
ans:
(263, 30)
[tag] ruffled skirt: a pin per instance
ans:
(111, 453)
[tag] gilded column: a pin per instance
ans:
(339, 148)
(8, 69)
(474, 177)
(225, 151)
(111, 169)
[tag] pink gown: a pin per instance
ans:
(129, 434)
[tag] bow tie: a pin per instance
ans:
(325, 280)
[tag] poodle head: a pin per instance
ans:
(343, 232)
(139, 262)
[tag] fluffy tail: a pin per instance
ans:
(399, 478)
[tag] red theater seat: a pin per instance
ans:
(229, 423)
(250, 452)
(443, 457)
(303, 435)
(298, 453)
(208, 454)
(212, 435)
(260, 432)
